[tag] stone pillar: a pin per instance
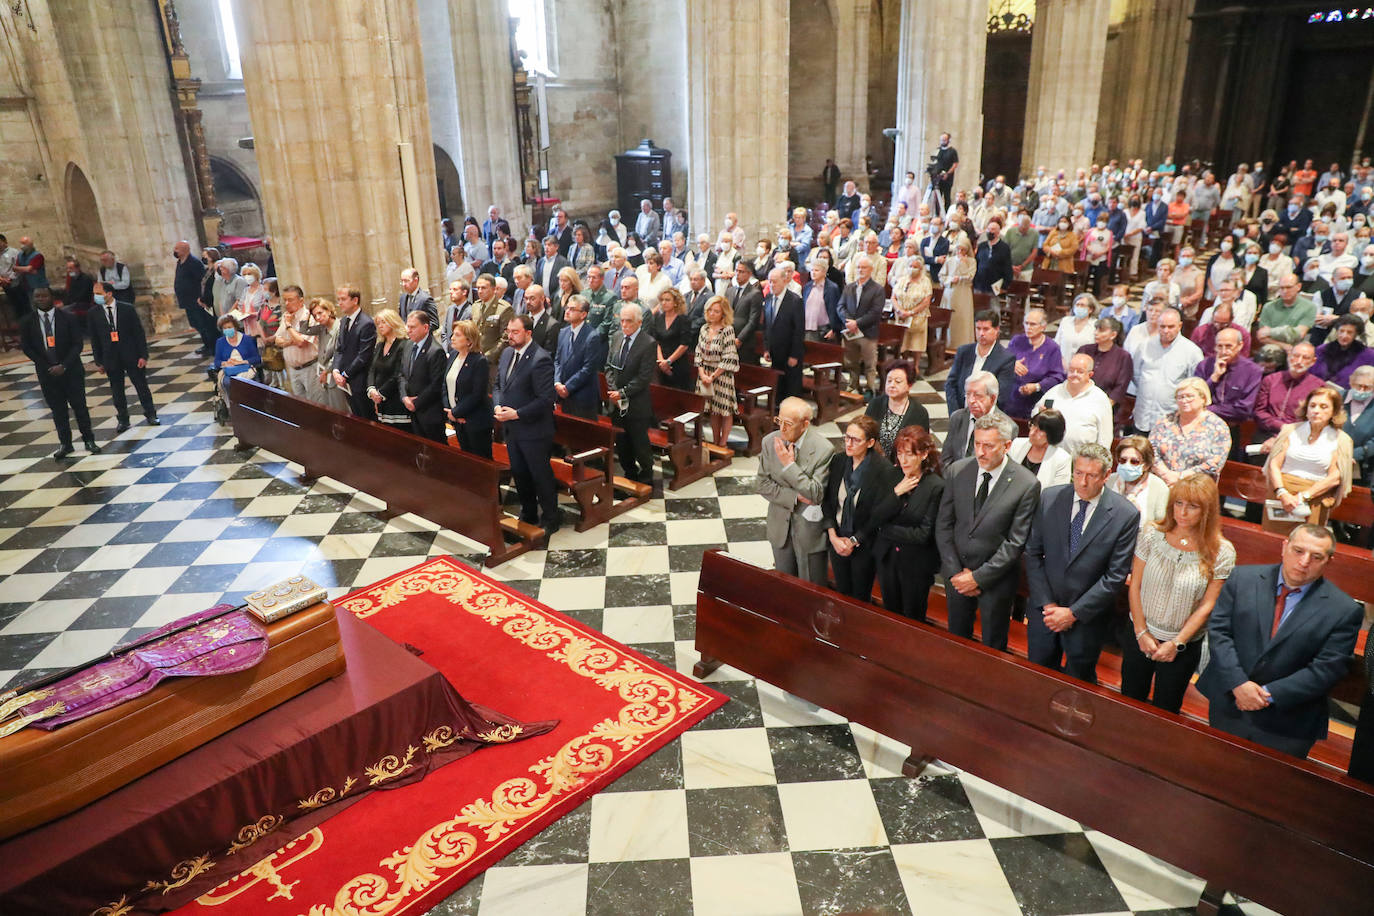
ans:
(940, 87)
(1068, 45)
(341, 128)
(1141, 110)
(851, 87)
(737, 124)
(488, 164)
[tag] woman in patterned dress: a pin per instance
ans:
(717, 359)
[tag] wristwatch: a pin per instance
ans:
(1180, 646)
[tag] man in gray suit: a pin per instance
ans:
(1281, 638)
(980, 400)
(792, 470)
(985, 519)
(1079, 554)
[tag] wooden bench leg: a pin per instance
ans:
(593, 498)
(827, 403)
(704, 667)
(756, 425)
(688, 463)
(1209, 904)
(915, 765)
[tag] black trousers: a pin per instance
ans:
(116, 374)
(994, 604)
(529, 466)
(430, 429)
(574, 409)
(633, 449)
(359, 402)
(66, 395)
(790, 382)
(854, 574)
(907, 576)
(1222, 714)
(1074, 652)
(473, 442)
(203, 323)
(1170, 679)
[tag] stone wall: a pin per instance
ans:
(651, 64)
(885, 35)
(811, 100)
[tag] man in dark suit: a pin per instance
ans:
(848, 202)
(546, 323)
(51, 338)
(984, 522)
(934, 247)
(524, 397)
(422, 367)
(1296, 219)
(861, 310)
(1079, 554)
(830, 178)
(699, 292)
(414, 298)
(1337, 297)
(501, 264)
(1362, 748)
(546, 268)
(1281, 637)
(746, 298)
(357, 339)
(577, 362)
(629, 372)
(785, 330)
(186, 286)
(994, 262)
(120, 348)
(980, 400)
(1156, 215)
(984, 354)
(561, 232)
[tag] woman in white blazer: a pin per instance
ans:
(1040, 452)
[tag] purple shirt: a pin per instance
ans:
(1044, 366)
(1233, 398)
(1328, 356)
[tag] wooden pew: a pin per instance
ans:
(824, 377)
(445, 485)
(756, 400)
(587, 473)
(1235, 808)
(691, 456)
(1246, 482)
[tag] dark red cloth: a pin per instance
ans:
(384, 704)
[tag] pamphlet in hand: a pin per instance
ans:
(853, 335)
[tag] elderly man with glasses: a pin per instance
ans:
(793, 468)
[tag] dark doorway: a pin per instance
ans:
(1318, 123)
(450, 190)
(1006, 81)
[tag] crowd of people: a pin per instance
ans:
(1126, 422)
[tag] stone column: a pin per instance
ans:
(851, 87)
(341, 128)
(489, 162)
(737, 123)
(940, 87)
(1141, 114)
(1068, 45)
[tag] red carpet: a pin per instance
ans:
(405, 850)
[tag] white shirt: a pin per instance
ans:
(1158, 370)
(1243, 310)
(8, 257)
(992, 481)
(979, 357)
(1087, 416)
(1327, 264)
(1069, 338)
(1310, 461)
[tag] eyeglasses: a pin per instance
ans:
(782, 423)
(853, 440)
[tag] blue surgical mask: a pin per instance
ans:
(1343, 286)
(1081, 311)
(229, 332)
(1129, 472)
(99, 298)
(1251, 258)
(1293, 209)
(1184, 262)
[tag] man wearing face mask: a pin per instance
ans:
(119, 346)
(1364, 276)
(1332, 303)
(995, 271)
(51, 339)
(1314, 245)
(944, 162)
(1024, 241)
(1312, 283)
(1296, 219)
(1338, 256)
(935, 247)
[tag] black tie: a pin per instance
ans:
(1076, 527)
(982, 495)
(624, 352)
(968, 449)
(510, 370)
(109, 311)
(415, 358)
(47, 327)
(347, 325)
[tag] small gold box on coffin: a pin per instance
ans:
(287, 597)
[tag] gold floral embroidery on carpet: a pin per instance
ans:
(653, 703)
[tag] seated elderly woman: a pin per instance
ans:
(1311, 464)
(235, 352)
(1344, 352)
(1192, 439)
(1359, 422)
(1039, 451)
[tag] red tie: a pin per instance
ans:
(1284, 592)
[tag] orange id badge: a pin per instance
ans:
(52, 342)
(114, 336)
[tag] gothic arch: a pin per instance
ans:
(450, 185)
(238, 199)
(83, 211)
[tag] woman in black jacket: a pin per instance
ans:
(895, 409)
(907, 558)
(858, 500)
(467, 398)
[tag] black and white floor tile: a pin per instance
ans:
(766, 807)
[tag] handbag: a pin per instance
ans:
(272, 358)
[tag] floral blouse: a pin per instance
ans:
(1203, 450)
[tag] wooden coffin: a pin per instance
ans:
(49, 774)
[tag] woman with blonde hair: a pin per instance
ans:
(911, 292)
(569, 285)
(325, 314)
(717, 359)
(1311, 464)
(956, 276)
(671, 329)
(1192, 439)
(384, 376)
(1180, 565)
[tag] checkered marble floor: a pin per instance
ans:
(765, 807)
